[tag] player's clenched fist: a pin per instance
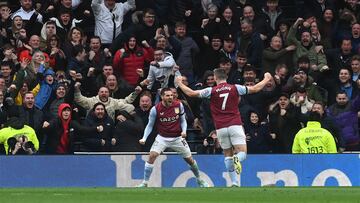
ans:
(267, 76)
(178, 80)
(142, 141)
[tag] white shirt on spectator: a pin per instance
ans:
(27, 15)
(105, 19)
(75, 3)
(163, 72)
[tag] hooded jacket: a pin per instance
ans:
(63, 145)
(46, 89)
(60, 131)
(127, 60)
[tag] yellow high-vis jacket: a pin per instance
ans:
(314, 140)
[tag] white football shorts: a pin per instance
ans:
(177, 144)
(230, 136)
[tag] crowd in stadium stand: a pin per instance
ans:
(82, 75)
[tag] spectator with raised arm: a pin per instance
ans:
(130, 58)
(109, 17)
(103, 138)
(143, 30)
(103, 97)
(160, 70)
(306, 47)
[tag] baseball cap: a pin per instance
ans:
(229, 37)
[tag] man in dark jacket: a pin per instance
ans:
(143, 112)
(329, 124)
(32, 116)
(102, 140)
(128, 131)
(143, 31)
(251, 44)
(345, 114)
(284, 124)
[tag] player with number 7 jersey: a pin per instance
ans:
(224, 100)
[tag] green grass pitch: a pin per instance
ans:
(186, 195)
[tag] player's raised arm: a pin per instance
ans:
(260, 85)
(187, 90)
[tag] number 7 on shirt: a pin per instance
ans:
(225, 95)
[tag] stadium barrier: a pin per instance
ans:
(172, 171)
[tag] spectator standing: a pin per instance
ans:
(355, 38)
(109, 17)
(301, 100)
(143, 112)
(355, 67)
(103, 138)
(344, 113)
(329, 124)
(258, 137)
(98, 56)
(48, 30)
(252, 44)
(272, 15)
(28, 14)
(160, 70)
(306, 47)
(229, 24)
(65, 22)
(209, 56)
(276, 54)
(284, 123)
(189, 50)
(6, 73)
(103, 96)
(63, 129)
(32, 116)
(145, 29)
(132, 57)
(128, 131)
(47, 87)
(118, 90)
(57, 58)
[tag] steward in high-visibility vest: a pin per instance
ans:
(314, 140)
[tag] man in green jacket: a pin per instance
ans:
(313, 139)
(306, 47)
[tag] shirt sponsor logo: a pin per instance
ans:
(169, 119)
